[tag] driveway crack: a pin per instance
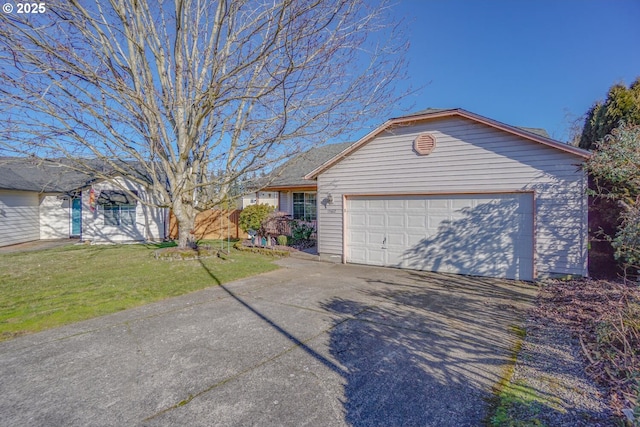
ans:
(302, 344)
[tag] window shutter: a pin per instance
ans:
(424, 144)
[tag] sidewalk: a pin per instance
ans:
(38, 245)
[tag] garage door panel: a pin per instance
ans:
(417, 221)
(375, 238)
(414, 239)
(358, 238)
(376, 204)
(457, 204)
(396, 220)
(376, 257)
(358, 204)
(438, 203)
(434, 221)
(396, 204)
(358, 256)
(358, 220)
(486, 235)
(416, 204)
(376, 220)
(395, 239)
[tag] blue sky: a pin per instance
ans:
(536, 63)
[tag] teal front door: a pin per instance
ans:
(76, 217)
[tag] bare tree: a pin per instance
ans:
(187, 96)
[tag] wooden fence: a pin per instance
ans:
(213, 224)
(220, 224)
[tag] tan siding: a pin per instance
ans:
(19, 220)
(330, 227)
(469, 157)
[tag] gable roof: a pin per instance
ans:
(291, 174)
(533, 134)
(42, 176)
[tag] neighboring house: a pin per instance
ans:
(453, 191)
(289, 191)
(42, 200)
(260, 198)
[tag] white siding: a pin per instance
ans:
(150, 222)
(268, 198)
(470, 157)
(55, 217)
(18, 217)
(262, 197)
(247, 200)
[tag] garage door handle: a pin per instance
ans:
(384, 242)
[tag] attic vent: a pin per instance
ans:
(424, 144)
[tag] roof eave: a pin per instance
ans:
(310, 186)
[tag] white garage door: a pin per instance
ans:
(483, 235)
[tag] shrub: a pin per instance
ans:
(615, 169)
(274, 224)
(627, 241)
(282, 240)
(251, 217)
(301, 231)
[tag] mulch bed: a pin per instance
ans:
(605, 316)
(184, 254)
(298, 246)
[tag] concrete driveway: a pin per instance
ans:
(310, 344)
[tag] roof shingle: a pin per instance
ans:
(28, 174)
(291, 174)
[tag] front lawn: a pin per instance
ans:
(49, 288)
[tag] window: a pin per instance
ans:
(119, 215)
(118, 207)
(304, 206)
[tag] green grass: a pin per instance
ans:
(519, 406)
(49, 288)
(516, 404)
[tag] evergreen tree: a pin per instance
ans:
(621, 104)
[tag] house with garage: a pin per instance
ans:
(40, 199)
(448, 190)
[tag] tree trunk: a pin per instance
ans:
(186, 219)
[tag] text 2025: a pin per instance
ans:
(31, 8)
